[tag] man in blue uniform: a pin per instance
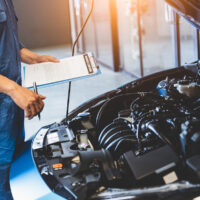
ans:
(14, 99)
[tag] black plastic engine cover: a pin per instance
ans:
(156, 161)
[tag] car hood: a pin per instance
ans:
(189, 9)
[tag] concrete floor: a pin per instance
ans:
(82, 90)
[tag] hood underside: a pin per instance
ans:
(189, 9)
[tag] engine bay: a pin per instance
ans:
(127, 143)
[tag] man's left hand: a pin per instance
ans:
(46, 58)
(30, 57)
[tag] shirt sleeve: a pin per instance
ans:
(21, 45)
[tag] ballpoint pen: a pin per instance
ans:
(36, 91)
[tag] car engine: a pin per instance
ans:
(140, 137)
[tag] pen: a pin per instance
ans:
(36, 91)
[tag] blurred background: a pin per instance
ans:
(50, 23)
(130, 39)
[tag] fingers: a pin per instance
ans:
(41, 96)
(27, 113)
(52, 59)
(30, 112)
(45, 58)
(27, 100)
(35, 107)
(40, 105)
(33, 110)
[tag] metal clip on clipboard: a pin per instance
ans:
(89, 64)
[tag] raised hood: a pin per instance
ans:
(189, 9)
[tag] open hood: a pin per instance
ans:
(189, 9)
(140, 141)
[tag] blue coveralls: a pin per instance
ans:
(11, 116)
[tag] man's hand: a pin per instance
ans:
(30, 57)
(26, 99)
(29, 101)
(46, 58)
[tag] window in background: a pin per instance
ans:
(157, 43)
(187, 35)
(103, 31)
(157, 23)
(97, 34)
(156, 36)
(128, 36)
(76, 22)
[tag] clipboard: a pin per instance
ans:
(69, 69)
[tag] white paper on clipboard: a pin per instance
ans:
(68, 69)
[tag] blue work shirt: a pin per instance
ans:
(11, 116)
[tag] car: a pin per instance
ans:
(139, 141)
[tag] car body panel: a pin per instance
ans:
(25, 180)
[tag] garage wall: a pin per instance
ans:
(43, 22)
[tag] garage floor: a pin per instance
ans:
(82, 90)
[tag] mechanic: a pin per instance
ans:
(14, 99)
